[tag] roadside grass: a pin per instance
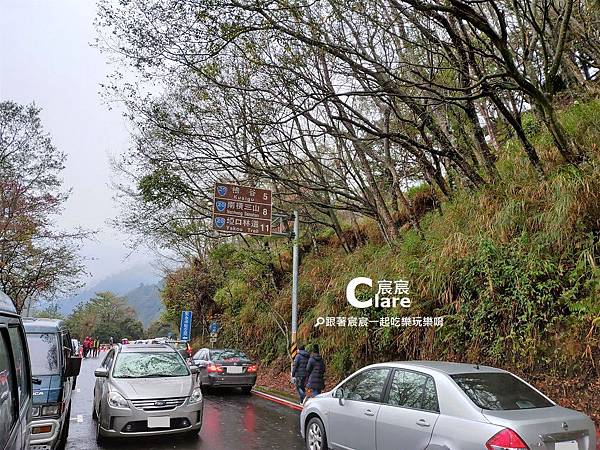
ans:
(512, 268)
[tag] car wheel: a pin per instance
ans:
(192, 434)
(247, 389)
(99, 438)
(316, 439)
(64, 434)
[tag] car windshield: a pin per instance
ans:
(500, 391)
(149, 365)
(43, 351)
(222, 355)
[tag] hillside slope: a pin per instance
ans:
(145, 300)
(513, 269)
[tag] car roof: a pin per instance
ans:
(448, 368)
(42, 325)
(6, 304)
(146, 348)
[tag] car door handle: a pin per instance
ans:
(368, 412)
(423, 423)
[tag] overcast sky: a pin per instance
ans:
(45, 57)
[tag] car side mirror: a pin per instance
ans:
(194, 369)
(339, 394)
(101, 372)
(73, 366)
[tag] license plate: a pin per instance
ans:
(571, 445)
(235, 369)
(159, 422)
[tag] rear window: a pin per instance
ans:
(222, 355)
(43, 352)
(499, 391)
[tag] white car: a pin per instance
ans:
(430, 405)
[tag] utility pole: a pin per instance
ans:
(296, 258)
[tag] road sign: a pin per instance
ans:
(185, 327)
(242, 209)
(213, 328)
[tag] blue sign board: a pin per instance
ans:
(185, 328)
(213, 328)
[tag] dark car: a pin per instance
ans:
(15, 380)
(54, 369)
(225, 368)
(183, 347)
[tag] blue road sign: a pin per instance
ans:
(213, 328)
(222, 190)
(221, 205)
(220, 222)
(185, 328)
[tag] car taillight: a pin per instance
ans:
(214, 368)
(251, 369)
(506, 439)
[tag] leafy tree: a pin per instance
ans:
(50, 312)
(190, 288)
(36, 259)
(104, 316)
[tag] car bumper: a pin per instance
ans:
(231, 380)
(43, 441)
(122, 423)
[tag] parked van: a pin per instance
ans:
(55, 367)
(15, 379)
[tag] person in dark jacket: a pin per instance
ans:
(299, 371)
(315, 372)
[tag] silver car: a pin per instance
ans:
(146, 389)
(439, 405)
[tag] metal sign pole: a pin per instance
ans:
(295, 277)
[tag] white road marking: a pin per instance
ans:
(78, 390)
(79, 418)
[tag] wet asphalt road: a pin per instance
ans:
(232, 421)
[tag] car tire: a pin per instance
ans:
(246, 390)
(316, 438)
(100, 440)
(64, 433)
(193, 434)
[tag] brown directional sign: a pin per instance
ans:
(242, 209)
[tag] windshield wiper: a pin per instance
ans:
(159, 375)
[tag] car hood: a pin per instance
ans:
(48, 391)
(164, 387)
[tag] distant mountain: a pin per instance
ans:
(145, 299)
(120, 283)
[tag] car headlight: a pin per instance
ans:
(196, 395)
(35, 412)
(51, 410)
(116, 400)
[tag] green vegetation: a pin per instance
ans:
(409, 154)
(104, 316)
(513, 268)
(145, 301)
